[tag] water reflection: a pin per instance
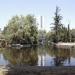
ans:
(60, 56)
(21, 57)
(41, 56)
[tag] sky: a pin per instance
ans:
(45, 8)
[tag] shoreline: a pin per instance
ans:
(38, 70)
(65, 45)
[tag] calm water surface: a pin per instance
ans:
(42, 56)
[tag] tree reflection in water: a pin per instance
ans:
(21, 57)
(60, 56)
(42, 56)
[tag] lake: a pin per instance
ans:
(40, 56)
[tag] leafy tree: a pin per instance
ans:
(31, 21)
(72, 33)
(63, 34)
(21, 29)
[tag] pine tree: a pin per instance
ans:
(57, 25)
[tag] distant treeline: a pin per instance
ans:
(24, 30)
(59, 32)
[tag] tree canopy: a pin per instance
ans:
(21, 29)
(59, 31)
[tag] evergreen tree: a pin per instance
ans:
(68, 34)
(57, 26)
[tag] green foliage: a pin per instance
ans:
(49, 36)
(60, 33)
(21, 29)
(57, 26)
(42, 36)
(72, 32)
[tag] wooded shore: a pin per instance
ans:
(37, 70)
